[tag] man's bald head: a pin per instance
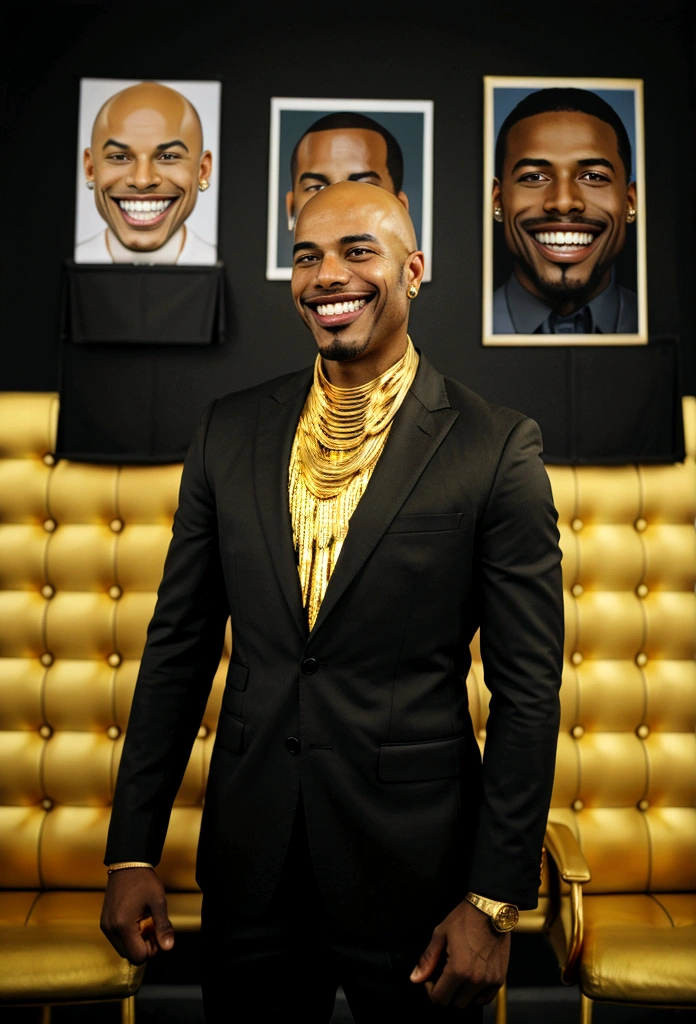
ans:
(147, 145)
(362, 204)
(150, 106)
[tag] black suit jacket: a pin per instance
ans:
(456, 530)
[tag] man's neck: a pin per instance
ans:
(353, 373)
(167, 253)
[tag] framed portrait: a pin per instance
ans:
(147, 183)
(385, 142)
(564, 248)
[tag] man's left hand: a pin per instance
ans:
(474, 959)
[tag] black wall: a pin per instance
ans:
(363, 55)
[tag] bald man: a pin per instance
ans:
(358, 520)
(146, 165)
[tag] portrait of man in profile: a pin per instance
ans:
(318, 142)
(564, 241)
(145, 163)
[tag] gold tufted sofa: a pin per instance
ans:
(81, 554)
(620, 905)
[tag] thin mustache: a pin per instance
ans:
(542, 222)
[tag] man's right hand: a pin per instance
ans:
(131, 895)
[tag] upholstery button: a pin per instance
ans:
(309, 666)
(47, 804)
(46, 732)
(115, 592)
(643, 731)
(577, 525)
(203, 732)
(482, 734)
(49, 459)
(578, 731)
(640, 524)
(47, 591)
(113, 732)
(576, 658)
(116, 525)
(49, 525)
(293, 744)
(642, 590)
(114, 659)
(578, 805)
(641, 659)
(643, 805)
(46, 659)
(577, 590)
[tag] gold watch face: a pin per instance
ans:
(506, 918)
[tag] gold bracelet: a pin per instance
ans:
(127, 864)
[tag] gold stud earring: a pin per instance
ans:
(89, 184)
(412, 291)
(203, 185)
(498, 213)
(631, 215)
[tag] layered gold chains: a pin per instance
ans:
(340, 436)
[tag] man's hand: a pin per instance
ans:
(131, 895)
(473, 956)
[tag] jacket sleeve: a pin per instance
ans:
(182, 652)
(521, 615)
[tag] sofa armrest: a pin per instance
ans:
(563, 848)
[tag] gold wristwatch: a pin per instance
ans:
(504, 916)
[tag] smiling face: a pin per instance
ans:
(565, 204)
(339, 154)
(145, 161)
(355, 258)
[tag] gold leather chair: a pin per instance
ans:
(620, 903)
(81, 553)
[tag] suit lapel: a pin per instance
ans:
(417, 431)
(278, 418)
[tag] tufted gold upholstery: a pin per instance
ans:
(625, 784)
(81, 554)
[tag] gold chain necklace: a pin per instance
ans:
(342, 431)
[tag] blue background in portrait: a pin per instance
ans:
(622, 100)
(406, 127)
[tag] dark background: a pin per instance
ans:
(365, 54)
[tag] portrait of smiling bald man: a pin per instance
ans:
(564, 196)
(145, 166)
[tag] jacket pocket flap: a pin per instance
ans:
(426, 523)
(421, 762)
(237, 675)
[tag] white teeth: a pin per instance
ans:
(144, 209)
(334, 308)
(564, 237)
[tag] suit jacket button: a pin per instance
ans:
(293, 744)
(309, 666)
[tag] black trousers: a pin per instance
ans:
(291, 960)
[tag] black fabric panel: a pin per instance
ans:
(159, 305)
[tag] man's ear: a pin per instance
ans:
(88, 164)
(403, 198)
(206, 167)
(632, 198)
(289, 209)
(415, 268)
(496, 201)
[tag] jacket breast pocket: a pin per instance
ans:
(230, 728)
(423, 761)
(426, 523)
